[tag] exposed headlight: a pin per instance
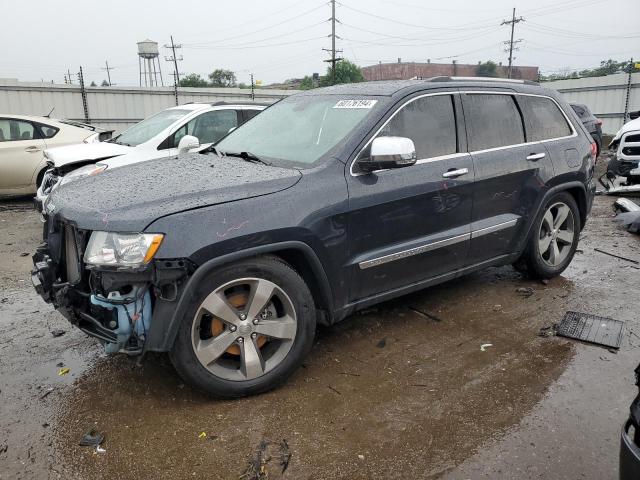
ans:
(86, 171)
(122, 249)
(93, 138)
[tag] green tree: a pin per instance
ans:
(346, 72)
(93, 84)
(487, 69)
(607, 67)
(105, 83)
(222, 78)
(306, 83)
(193, 80)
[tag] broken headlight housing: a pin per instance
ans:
(122, 249)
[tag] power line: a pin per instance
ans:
(333, 58)
(108, 69)
(174, 58)
(512, 22)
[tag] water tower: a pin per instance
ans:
(149, 63)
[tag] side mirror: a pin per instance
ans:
(187, 143)
(634, 115)
(389, 152)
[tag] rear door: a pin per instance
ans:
(410, 224)
(510, 173)
(20, 153)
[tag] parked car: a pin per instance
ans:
(23, 138)
(623, 170)
(590, 122)
(330, 201)
(167, 133)
(630, 440)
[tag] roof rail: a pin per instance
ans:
(217, 104)
(480, 79)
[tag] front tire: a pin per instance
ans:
(553, 239)
(248, 329)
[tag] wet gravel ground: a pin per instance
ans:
(402, 390)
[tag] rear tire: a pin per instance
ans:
(553, 239)
(247, 330)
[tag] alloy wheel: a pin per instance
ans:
(244, 329)
(556, 234)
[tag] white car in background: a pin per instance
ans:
(169, 132)
(23, 139)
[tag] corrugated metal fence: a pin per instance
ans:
(605, 96)
(113, 107)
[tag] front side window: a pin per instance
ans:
(492, 121)
(430, 122)
(16, 130)
(150, 127)
(543, 118)
(300, 129)
(208, 127)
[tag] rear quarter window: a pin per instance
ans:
(492, 121)
(543, 118)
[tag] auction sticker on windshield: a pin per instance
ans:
(355, 104)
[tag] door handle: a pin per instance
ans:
(534, 157)
(455, 173)
(32, 149)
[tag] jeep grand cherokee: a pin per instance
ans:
(328, 202)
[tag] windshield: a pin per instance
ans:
(300, 129)
(149, 127)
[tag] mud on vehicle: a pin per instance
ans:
(328, 202)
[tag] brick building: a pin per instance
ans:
(406, 70)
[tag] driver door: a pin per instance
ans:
(410, 224)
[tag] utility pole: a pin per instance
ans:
(512, 22)
(252, 92)
(69, 76)
(175, 87)
(108, 69)
(174, 58)
(83, 93)
(333, 60)
(626, 102)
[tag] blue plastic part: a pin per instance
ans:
(132, 316)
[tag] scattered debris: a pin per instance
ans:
(545, 281)
(3, 448)
(591, 328)
(58, 332)
(46, 392)
(285, 455)
(202, 435)
(91, 439)
(526, 292)
(99, 449)
(63, 371)
(548, 331)
(497, 307)
(59, 364)
(425, 314)
(361, 457)
(256, 468)
(331, 388)
(45, 425)
(24, 254)
(382, 343)
(484, 346)
(625, 205)
(617, 256)
(630, 221)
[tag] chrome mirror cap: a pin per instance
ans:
(389, 152)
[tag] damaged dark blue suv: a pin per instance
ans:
(329, 201)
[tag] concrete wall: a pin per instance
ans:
(113, 107)
(605, 96)
(406, 70)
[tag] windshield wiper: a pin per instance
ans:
(246, 156)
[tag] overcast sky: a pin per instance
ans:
(280, 39)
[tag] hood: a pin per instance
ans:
(131, 197)
(83, 152)
(627, 127)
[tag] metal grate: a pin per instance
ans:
(591, 328)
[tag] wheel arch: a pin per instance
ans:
(299, 255)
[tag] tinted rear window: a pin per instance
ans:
(543, 118)
(492, 121)
(430, 122)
